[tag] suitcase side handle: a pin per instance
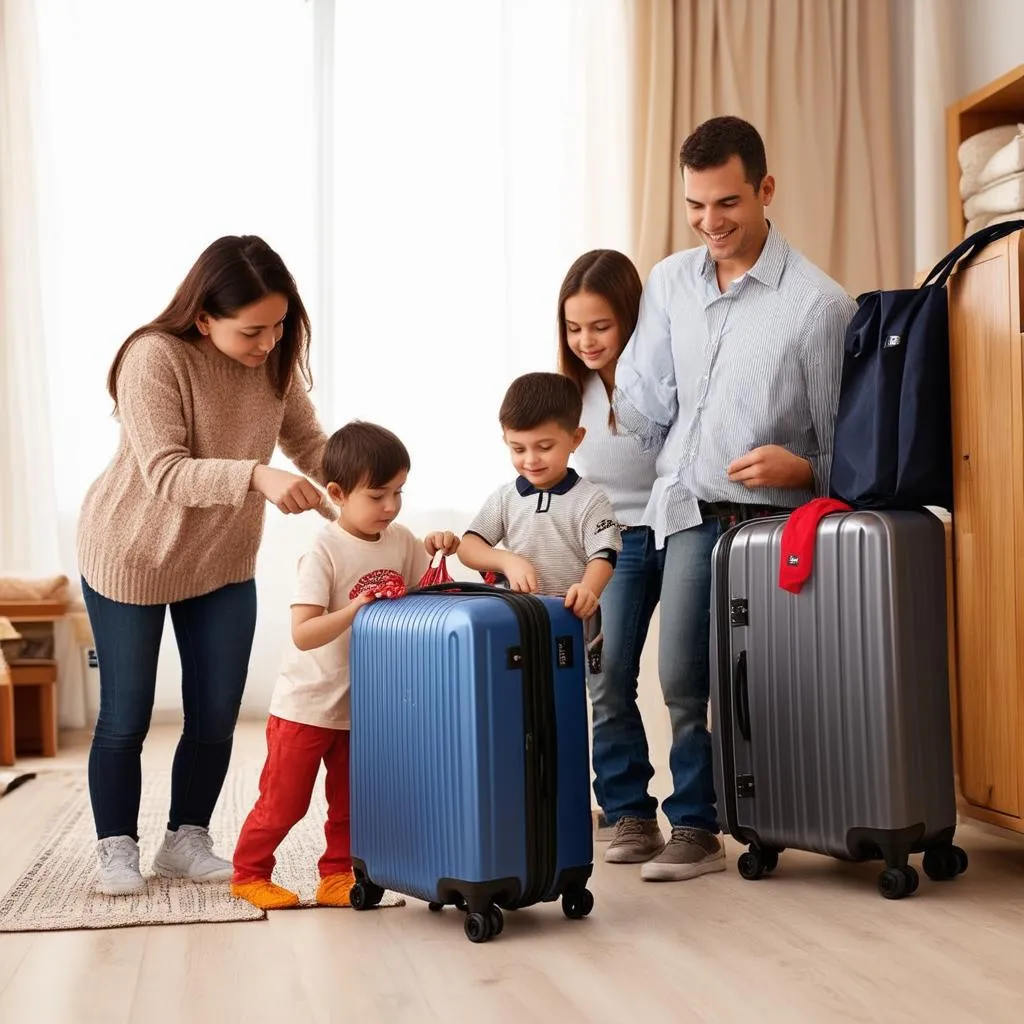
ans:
(739, 689)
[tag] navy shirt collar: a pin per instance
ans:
(564, 486)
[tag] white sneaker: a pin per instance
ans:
(119, 873)
(188, 853)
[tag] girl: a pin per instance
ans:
(203, 394)
(598, 306)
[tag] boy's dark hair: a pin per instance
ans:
(538, 398)
(363, 454)
(716, 141)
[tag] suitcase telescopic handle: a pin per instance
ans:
(739, 689)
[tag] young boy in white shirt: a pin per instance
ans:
(366, 466)
(560, 532)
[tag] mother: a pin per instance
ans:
(203, 393)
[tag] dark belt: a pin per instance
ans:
(728, 513)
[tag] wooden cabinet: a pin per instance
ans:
(987, 368)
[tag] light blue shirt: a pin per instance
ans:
(708, 376)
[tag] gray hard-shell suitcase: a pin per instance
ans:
(830, 708)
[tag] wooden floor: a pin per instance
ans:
(814, 943)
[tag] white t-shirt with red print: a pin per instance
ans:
(312, 687)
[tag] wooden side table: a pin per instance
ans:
(6, 715)
(34, 684)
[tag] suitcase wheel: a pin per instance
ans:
(757, 861)
(577, 903)
(895, 883)
(482, 927)
(942, 863)
(364, 894)
(435, 908)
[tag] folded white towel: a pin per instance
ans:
(1004, 196)
(976, 151)
(1004, 162)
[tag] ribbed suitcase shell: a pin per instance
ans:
(439, 754)
(850, 750)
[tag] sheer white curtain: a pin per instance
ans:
(28, 520)
(478, 147)
(166, 125)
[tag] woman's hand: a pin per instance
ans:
(441, 540)
(290, 492)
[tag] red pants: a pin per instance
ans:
(294, 753)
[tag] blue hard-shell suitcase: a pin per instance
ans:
(470, 772)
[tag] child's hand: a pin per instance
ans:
(441, 540)
(581, 600)
(521, 575)
(364, 598)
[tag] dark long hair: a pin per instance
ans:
(232, 273)
(610, 274)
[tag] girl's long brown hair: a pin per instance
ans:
(232, 273)
(610, 274)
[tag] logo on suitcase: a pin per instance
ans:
(792, 559)
(563, 651)
(893, 341)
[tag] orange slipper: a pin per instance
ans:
(334, 889)
(263, 893)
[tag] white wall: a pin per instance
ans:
(991, 40)
(942, 50)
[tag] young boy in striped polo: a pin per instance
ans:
(559, 531)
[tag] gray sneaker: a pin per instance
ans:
(689, 853)
(188, 853)
(635, 840)
(118, 873)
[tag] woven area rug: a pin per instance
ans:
(55, 892)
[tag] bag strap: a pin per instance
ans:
(968, 247)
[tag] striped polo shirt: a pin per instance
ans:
(708, 376)
(558, 530)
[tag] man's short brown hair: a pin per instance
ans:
(715, 142)
(538, 398)
(363, 454)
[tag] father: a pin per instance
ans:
(733, 371)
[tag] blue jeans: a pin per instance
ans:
(683, 665)
(622, 763)
(680, 576)
(214, 634)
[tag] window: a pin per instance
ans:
(477, 148)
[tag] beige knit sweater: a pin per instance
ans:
(173, 516)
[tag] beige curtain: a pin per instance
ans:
(814, 77)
